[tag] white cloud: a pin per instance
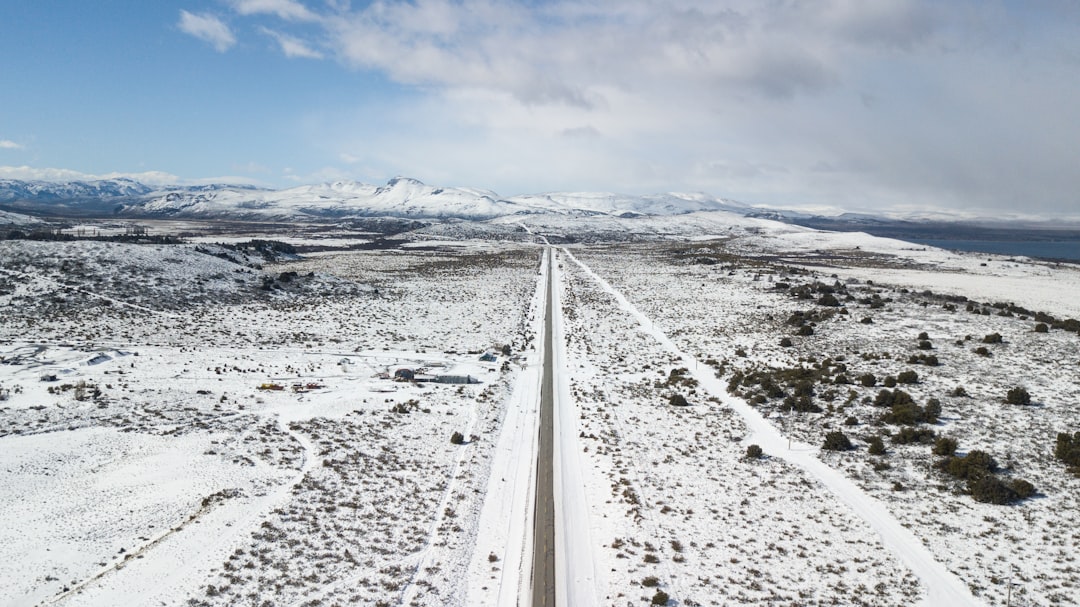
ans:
(207, 28)
(905, 101)
(285, 9)
(7, 144)
(292, 47)
(27, 173)
(152, 178)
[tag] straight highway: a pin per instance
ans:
(543, 577)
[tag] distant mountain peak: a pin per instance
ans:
(404, 180)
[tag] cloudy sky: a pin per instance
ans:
(883, 104)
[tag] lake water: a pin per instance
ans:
(1047, 250)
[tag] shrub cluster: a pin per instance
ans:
(991, 489)
(889, 398)
(1067, 450)
(978, 469)
(837, 441)
(911, 435)
(794, 385)
(930, 360)
(910, 414)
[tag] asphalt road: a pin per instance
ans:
(544, 518)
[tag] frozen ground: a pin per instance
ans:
(154, 470)
(727, 313)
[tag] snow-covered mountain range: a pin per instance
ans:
(403, 197)
(400, 197)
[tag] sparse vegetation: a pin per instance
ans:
(837, 441)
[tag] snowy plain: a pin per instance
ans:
(154, 470)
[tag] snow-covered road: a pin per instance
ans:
(942, 586)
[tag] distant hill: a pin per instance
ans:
(410, 199)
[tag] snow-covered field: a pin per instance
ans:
(155, 470)
(146, 459)
(727, 314)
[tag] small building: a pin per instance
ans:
(487, 357)
(404, 375)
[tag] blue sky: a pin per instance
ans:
(891, 104)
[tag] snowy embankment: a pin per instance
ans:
(576, 561)
(942, 587)
(501, 565)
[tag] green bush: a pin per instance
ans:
(946, 446)
(970, 467)
(866, 320)
(660, 598)
(932, 411)
(785, 342)
(1067, 450)
(650, 582)
(993, 338)
(876, 446)
(907, 377)
(906, 414)
(801, 404)
(888, 398)
(805, 330)
(909, 435)
(457, 438)
(754, 452)
(829, 300)
(930, 360)
(837, 441)
(890, 382)
(990, 489)
(1023, 488)
(1018, 396)
(1042, 328)
(867, 380)
(678, 400)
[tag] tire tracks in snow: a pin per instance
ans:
(942, 586)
